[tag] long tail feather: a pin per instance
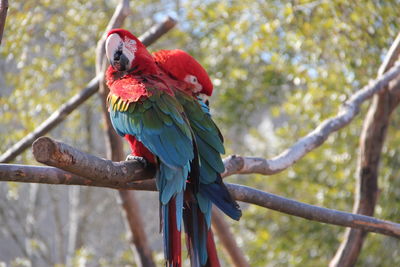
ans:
(212, 260)
(196, 229)
(172, 233)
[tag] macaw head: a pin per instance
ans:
(125, 51)
(184, 67)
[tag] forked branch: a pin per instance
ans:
(348, 110)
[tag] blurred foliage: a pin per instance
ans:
(279, 69)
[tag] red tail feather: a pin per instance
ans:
(212, 260)
(174, 237)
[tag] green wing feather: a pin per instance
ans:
(207, 135)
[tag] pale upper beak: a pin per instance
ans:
(120, 58)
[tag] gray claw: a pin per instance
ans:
(142, 160)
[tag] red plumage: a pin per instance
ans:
(178, 63)
(144, 61)
(138, 149)
(175, 236)
(212, 260)
(129, 85)
(129, 88)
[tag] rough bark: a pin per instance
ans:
(50, 175)
(371, 143)
(53, 153)
(3, 16)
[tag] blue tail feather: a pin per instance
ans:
(196, 229)
(219, 195)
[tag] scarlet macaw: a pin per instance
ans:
(178, 136)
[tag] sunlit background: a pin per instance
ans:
(279, 68)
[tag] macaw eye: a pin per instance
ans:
(194, 79)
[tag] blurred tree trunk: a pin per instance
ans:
(227, 239)
(371, 143)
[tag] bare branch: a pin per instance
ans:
(313, 213)
(49, 175)
(3, 16)
(155, 32)
(57, 154)
(243, 165)
(391, 57)
(371, 143)
(60, 114)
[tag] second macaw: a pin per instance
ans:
(183, 67)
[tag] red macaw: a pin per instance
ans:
(183, 67)
(168, 127)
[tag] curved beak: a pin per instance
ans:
(115, 51)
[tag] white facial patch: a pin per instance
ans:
(129, 49)
(193, 80)
(130, 44)
(112, 43)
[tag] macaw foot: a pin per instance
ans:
(140, 159)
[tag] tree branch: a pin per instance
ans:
(371, 143)
(313, 213)
(57, 154)
(91, 88)
(244, 165)
(155, 32)
(49, 175)
(55, 176)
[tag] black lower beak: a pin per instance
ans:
(120, 62)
